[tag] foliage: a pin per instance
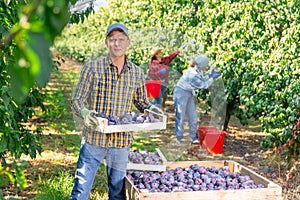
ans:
(27, 31)
(254, 43)
(83, 46)
(15, 138)
(29, 42)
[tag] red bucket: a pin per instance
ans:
(153, 88)
(212, 139)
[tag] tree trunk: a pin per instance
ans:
(228, 115)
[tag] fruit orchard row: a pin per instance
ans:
(254, 43)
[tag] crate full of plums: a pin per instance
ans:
(146, 160)
(222, 180)
(132, 122)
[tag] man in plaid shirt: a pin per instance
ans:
(109, 86)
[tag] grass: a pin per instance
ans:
(143, 143)
(56, 187)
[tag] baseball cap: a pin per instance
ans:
(117, 26)
(202, 61)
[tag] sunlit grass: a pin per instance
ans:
(143, 143)
(56, 187)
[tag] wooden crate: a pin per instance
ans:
(148, 167)
(271, 191)
(105, 128)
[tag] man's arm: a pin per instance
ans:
(140, 99)
(81, 94)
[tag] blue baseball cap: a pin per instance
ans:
(117, 26)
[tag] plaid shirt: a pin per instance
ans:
(102, 89)
(156, 66)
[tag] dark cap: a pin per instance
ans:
(117, 26)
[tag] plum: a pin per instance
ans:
(196, 187)
(198, 181)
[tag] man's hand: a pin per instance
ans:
(89, 117)
(156, 109)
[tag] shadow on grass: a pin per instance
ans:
(63, 143)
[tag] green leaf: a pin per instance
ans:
(20, 78)
(57, 16)
(40, 60)
(3, 144)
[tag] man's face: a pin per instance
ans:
(117, 43)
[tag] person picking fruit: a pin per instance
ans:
(184, 92)
(159, 70)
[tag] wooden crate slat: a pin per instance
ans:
(145, 167)
(161, 155)
(258, 179)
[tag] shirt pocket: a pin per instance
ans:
(101, 86)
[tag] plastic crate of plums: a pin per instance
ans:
(146, 160)
(132, 122)
(186, 180)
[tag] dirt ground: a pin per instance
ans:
(242, 144)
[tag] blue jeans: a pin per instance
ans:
(90, 158)
(184, 103)
(158, 101)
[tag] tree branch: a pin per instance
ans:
(28, 16)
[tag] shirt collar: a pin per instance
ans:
(110, 63)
